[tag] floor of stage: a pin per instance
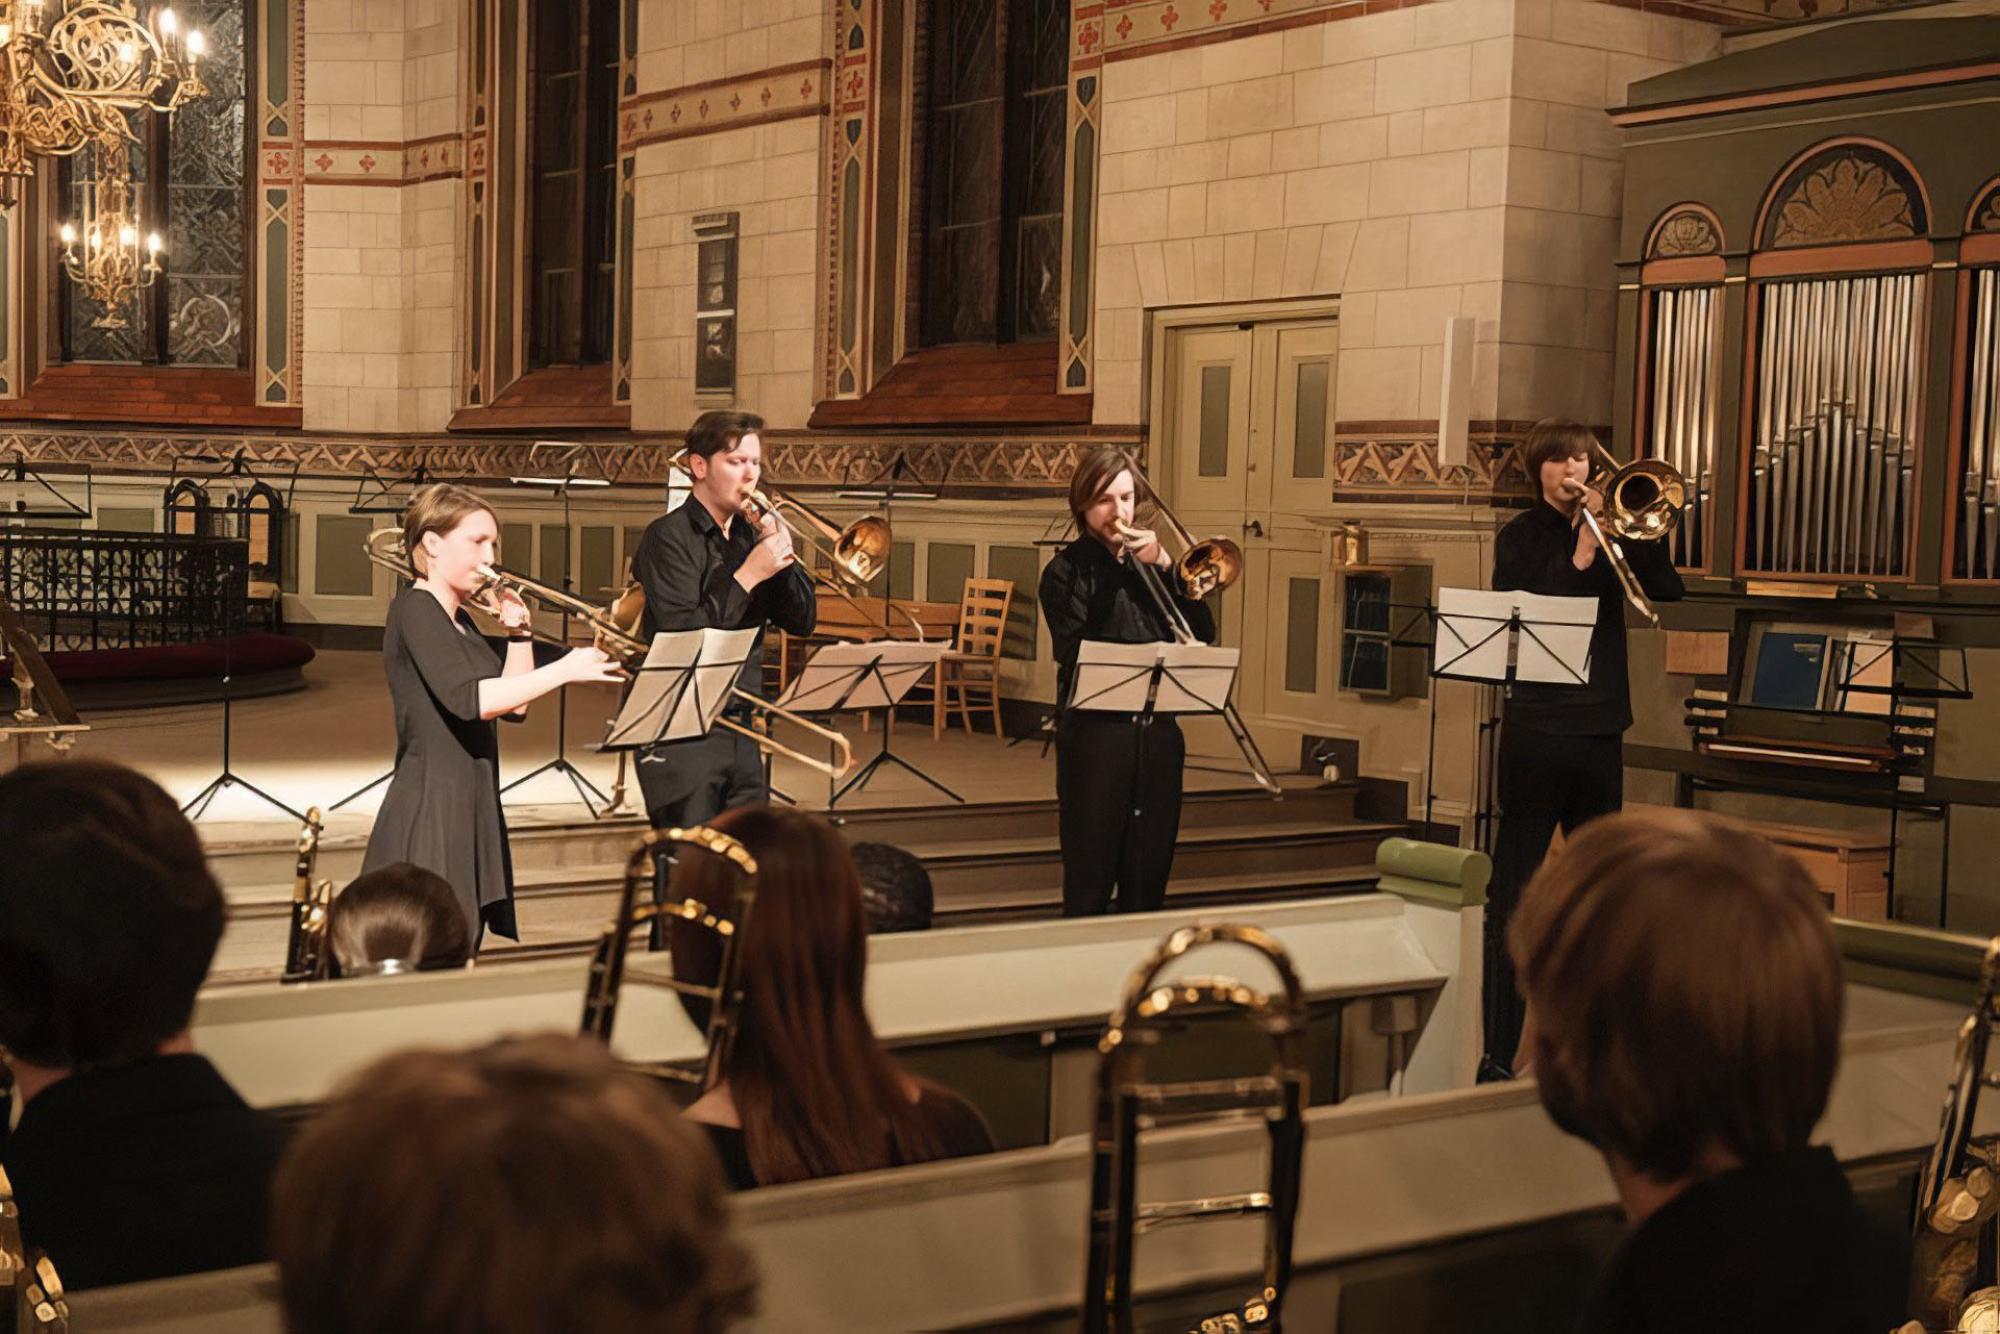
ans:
(313, 747)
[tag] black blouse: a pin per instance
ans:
(960, 1133)
(1536, 553)
(1088, 593)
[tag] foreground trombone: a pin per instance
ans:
(31, 1294)
(724, 997)
(616, 632)
(1127, 1103)
(306, 954)
(1957, 1196)
(1643, 502)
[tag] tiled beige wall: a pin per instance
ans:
(768, 174)
(1451, 159)
(383, 264)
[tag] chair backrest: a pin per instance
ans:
(982, 616)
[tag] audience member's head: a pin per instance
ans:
(813, 1088)
(529, 1187)
(398, 919)
(109, 915)
(895, 887)
(1684, 994)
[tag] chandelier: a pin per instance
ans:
(103, 256)
(72, 72)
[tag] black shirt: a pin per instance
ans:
(143, 1170)
(688, 565)
(1088, 593)
(1536, 553)
(1777, 1245)
(960, 1134)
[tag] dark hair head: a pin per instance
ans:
(714, 432)
(812, 1086)
(1555, 438)
(895, 887)
(530, 1186)
(399, 914)
(109, 915)
(1683, 989)
(1096, 471)
(438, 508)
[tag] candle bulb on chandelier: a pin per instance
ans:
(197, 44)
(68, 234)
(153, 245)
(168, 23)
(128, 235)
(128, 53)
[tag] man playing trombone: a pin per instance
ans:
(710, 565)
(1561, 746)
(1118, 775)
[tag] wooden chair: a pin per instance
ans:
(973, 666)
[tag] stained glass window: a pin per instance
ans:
(996, 109)
(188, 172)
(573, 111)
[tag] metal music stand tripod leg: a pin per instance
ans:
(886, 756)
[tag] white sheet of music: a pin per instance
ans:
(1554, 644)
(828, 679)
(1472, 634)
(1115, 678)
(1197, 679)
(715, 657)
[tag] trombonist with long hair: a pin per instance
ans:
(1561, 759)
(442, 810)
(1118, 775)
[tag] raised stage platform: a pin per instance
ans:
(994, 858)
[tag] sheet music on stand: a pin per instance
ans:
(1120, 678)
(861, 675)
(682, 688)
(1489, 635)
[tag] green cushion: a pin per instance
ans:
(1433, 872)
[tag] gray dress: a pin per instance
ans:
(442, 811)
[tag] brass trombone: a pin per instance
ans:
(1952, 1223)
(1128, 1103)
(1643, 502)
(614, 945)
(32, 1300)
(1205, 567)
(305, 946)
(615, 631)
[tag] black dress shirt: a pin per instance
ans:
(688, 565)
(1536, 553)
(1777, 1245)
(143, 1170)
(1088, 593)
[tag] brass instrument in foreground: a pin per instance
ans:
(608, 965)
(41, 708)
(616, 632)
(1204, 567)
(1952, 1224)
(31, 1293)
(306, 956)
(1128, 1104)
(1643, 502)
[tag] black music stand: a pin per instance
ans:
(30, 495)
(375, 494)
(871, 675)
(561, 486)
(237, 469)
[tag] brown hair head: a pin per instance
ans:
(1684, 990)
(528, 1187)
(398, 914)
(714, 432)
(437, 508)
(1095, 471)
(109, 914)
(816, 1093)
(1555, 438)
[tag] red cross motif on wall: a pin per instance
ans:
(765, 96)
(1124, 27)
(675, 114)
(1218, 9)
(805, 88)
(367, 162)
(1087, 37)
(855, 83)
(1169, 19)
(703, 109)
(735, 101)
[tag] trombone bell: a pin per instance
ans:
(1209, 566)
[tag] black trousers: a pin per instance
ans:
(687, 783)
(1118, 799)
(1546, 780)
